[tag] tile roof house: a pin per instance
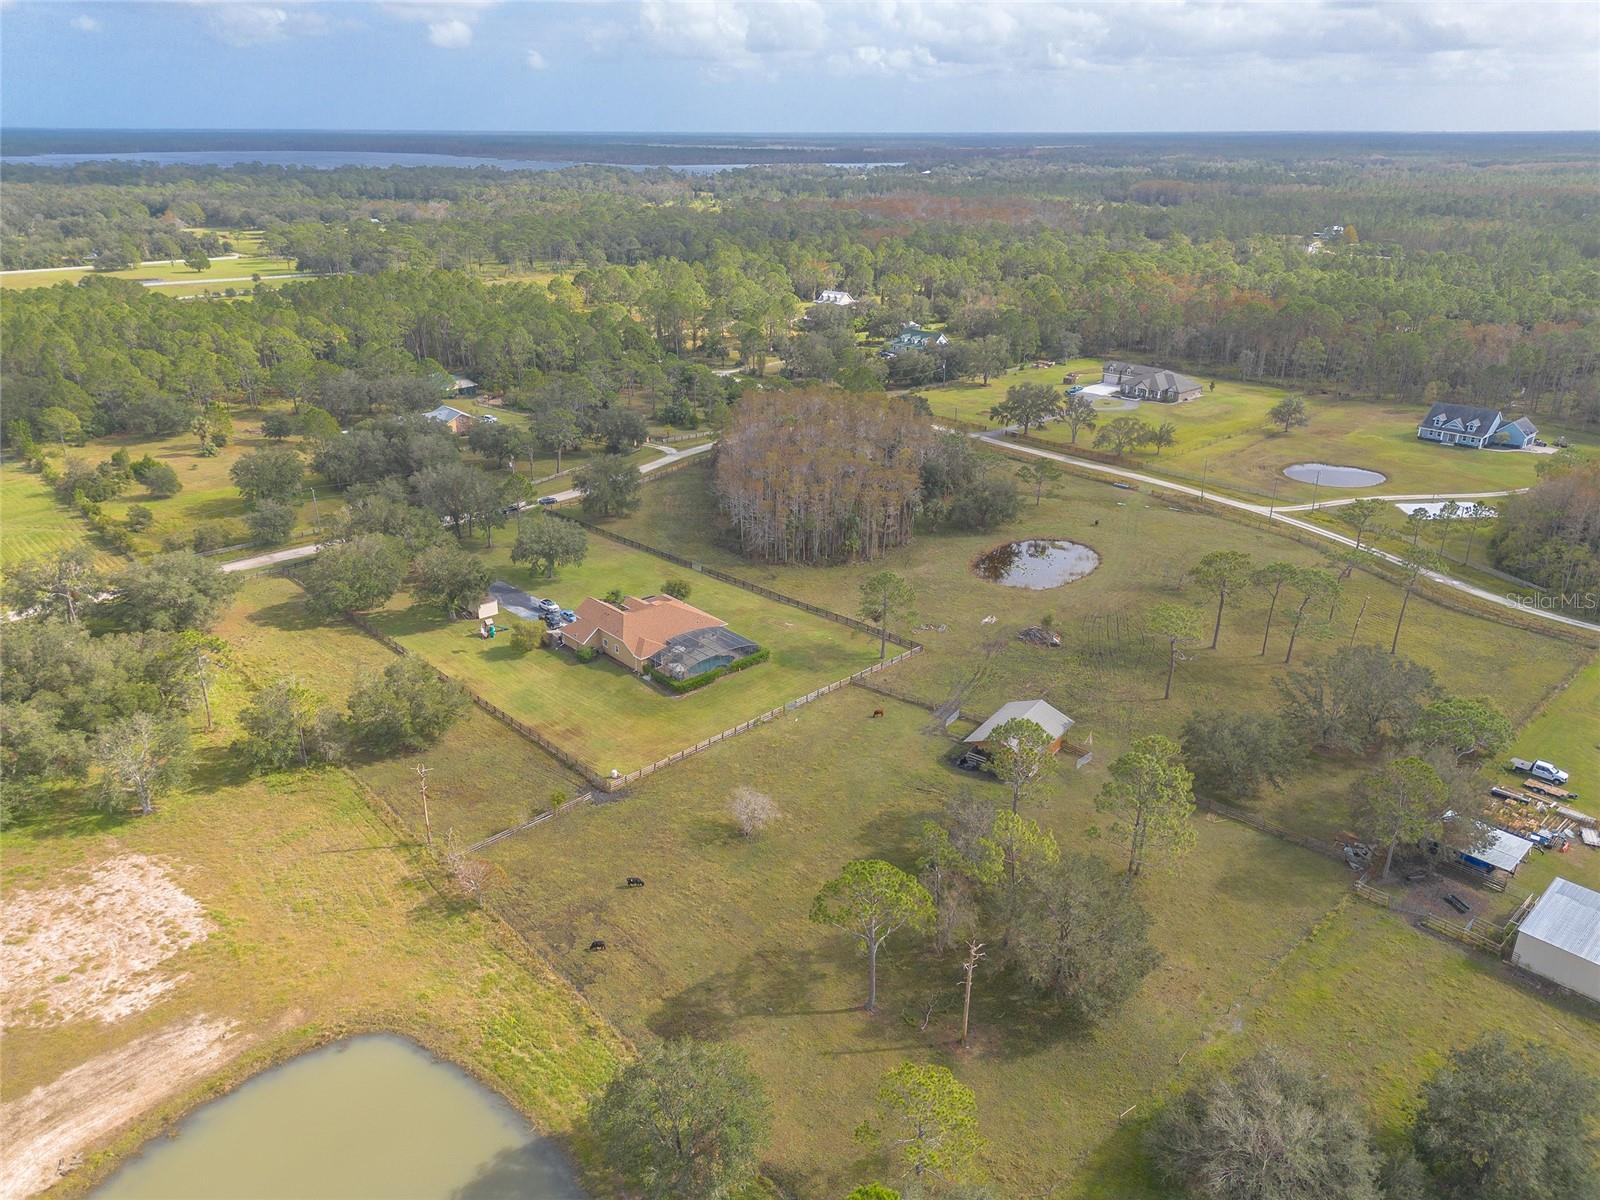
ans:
(1474, 427)
(637, 630)
(1138, 382)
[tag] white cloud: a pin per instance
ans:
(85, 24)
(536, 61)
(450, 35)
(450, 22)
(258, 24)
(1310, 41)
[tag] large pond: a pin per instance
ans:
(1037, 564)
(1329, 475)
(374, 1116)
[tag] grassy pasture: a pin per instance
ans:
(1224, 438)
(324, 922)
(176, 274)
(718, 945)
(32, 520)
(601, 712)
(209, 493)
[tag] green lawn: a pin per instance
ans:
(601, 712)
(32, 520)
(1224, 438)
(176, 274)
(484, 777)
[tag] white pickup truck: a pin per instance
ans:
(1540, 769)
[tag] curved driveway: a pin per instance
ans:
(1274, 513)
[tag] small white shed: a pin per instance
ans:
(1560, 938)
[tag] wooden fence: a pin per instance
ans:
(745, 584)
(772, 714)
(494, 710)
(580, 798)
(1277, 831)
(614, 782)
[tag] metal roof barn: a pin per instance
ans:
(1560, 938)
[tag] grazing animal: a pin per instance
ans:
(876, 713)
(635, 881)
(597, 944)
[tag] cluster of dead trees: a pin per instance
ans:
(820, 477)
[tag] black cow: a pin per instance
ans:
(597, 944)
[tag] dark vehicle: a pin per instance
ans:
(552, 620)
(547, 501)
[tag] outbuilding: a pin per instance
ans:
(1052, 720)
(1560, 939)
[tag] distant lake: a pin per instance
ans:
(328, 160)
(372, 1116)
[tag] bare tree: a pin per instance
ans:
(752, 811)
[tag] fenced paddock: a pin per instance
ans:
(588, 716)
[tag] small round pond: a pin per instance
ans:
(1329, 475)
(1037, 564)
(373, 1116)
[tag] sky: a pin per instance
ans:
(742, 66)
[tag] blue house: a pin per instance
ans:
(1473, 427)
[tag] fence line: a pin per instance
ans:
(580, 798)
(1277, 831)
(745, 584)
(616, 782)
(772, 714)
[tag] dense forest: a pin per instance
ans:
(1452, 278)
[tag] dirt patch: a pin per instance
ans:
(46, 1130)
(90, 950)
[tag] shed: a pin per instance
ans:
(1052, 720)
(1560, 938)
(1503, 852)
(460, 385)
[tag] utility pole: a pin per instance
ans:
(1273, 504)
(422, 784)
(316, 513)
(974, 955)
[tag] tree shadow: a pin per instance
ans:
(541, 1168)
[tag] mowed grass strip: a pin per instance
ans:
(482, 777)
(602, 713)
(33, 521)
(1225, 438)
(718, 944)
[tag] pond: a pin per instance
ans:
(1037, 564)
(373, 1116)
(1329, 475)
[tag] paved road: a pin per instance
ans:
(1430, 498)
(1277, 514)
(669, 455)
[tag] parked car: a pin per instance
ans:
(547, 501)
(1540, 769)
(548, 607)
(1073, 391)
(552, 620)
(568, 616)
